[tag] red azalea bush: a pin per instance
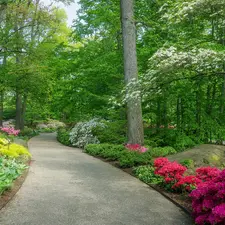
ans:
(207, 173)
(187, 183)
(136, 147)
(170, 171)
(208, 201)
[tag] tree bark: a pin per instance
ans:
(18, 109)
(134, 110)
(179, 113)
(1, 107)
(23, 112)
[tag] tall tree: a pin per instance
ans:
(134, 110)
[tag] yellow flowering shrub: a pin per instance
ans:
(3, 141)
(14, 151)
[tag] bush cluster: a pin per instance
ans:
(147, 174)
(208, 200)
(179, 141)
(10, 169)
(207, 189)
(82, 133)
(63, 136)
(162, 151)
(14, 151)
(125, 157)
(114, 132)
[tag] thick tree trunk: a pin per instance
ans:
(134, 110)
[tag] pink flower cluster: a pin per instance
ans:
(208, 201)
(10, 131)
(136, 147)
(207, 189)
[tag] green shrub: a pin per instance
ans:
(189, 163)
(113, 132)
(28, 132)
(131, 158)
(150, 143)
(146, 174)
(162, 151)
(107, 151)
(63, 136)
(10, 169)
(183, 142)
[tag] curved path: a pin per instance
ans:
(68, 187)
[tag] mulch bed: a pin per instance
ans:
(9, 194)
(179, 200)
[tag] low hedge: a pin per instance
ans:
(119, 153)
(63, 136)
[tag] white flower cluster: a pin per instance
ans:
(132, 91)
(82, 135)
(166, 60)
(183, 10)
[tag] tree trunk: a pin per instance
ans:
(1, 107)
(134, 110)
(179, 113)
(158, 115)
(23, 112)
(18, 110)
(2, 92)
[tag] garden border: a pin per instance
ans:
(8, 195)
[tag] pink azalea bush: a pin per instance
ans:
(208, 201)
(206, 188)
(10, 131)
(136, 147)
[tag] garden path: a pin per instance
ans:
(68, 187)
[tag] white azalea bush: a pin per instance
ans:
(82, 134)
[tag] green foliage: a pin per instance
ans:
(10, 169)
(113, 132)
(189, 163)
(131, 158)
(9, 113)
(175, 139)
(107, 151)
(63, 136)
(146, 174)
(162, 151)
(112, 152)
(28, 132)
(183, 142)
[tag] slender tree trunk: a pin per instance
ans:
(18, 109)
(198, 107)
(1, 107)
(179, 113)
(2, 92)
(158, 115)
(165, 122)
(23, 112)
(134, 110)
